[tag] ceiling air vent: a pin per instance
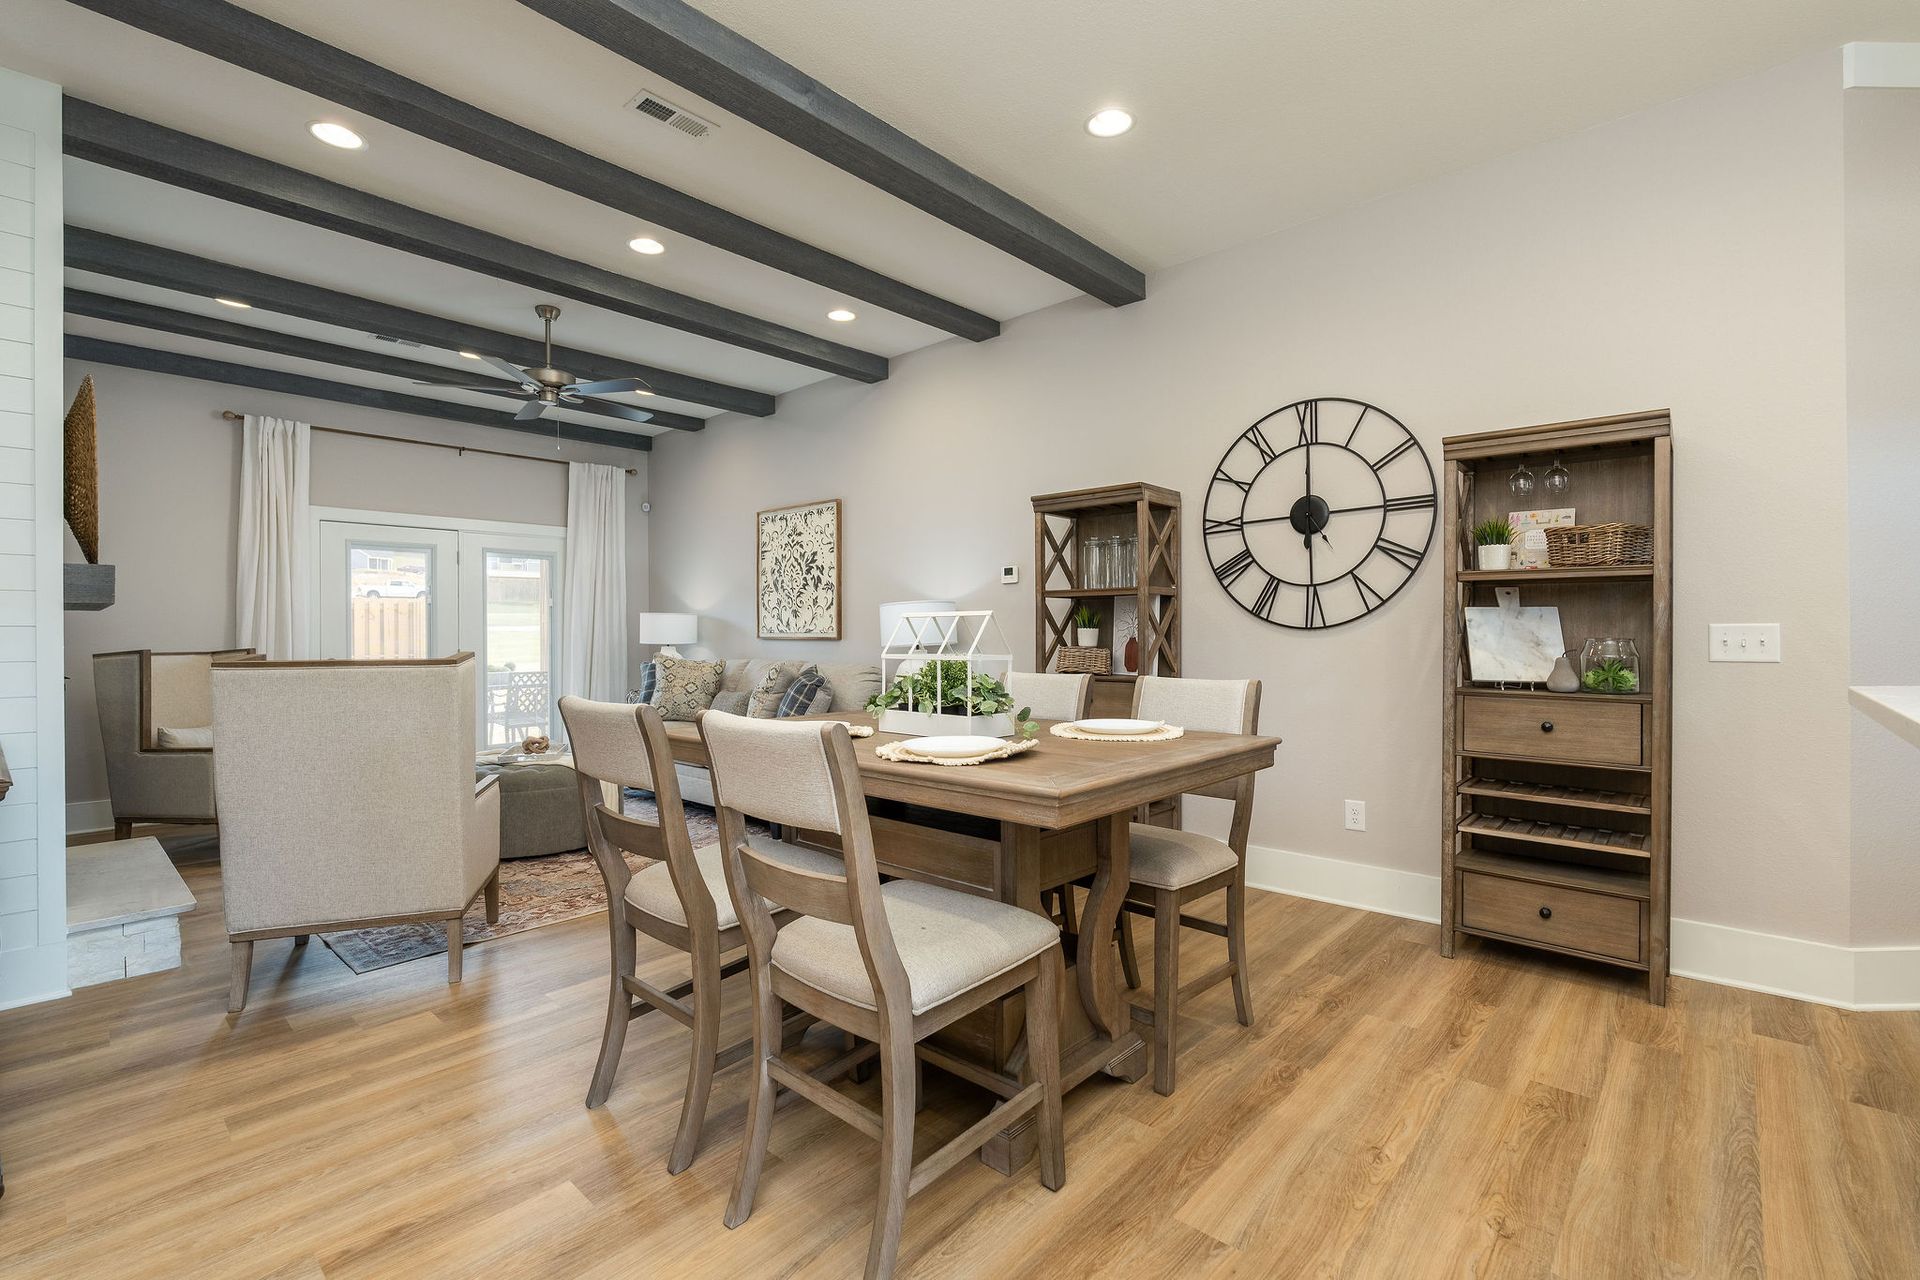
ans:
(398, 342)
(658, 108)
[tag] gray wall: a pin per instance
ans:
(1883, 410)
(169, 486)
(1687, 257)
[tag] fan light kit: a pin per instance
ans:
(1110, 123)
(547, 388)
(470, 355)
(336, 135)
(646, 244)
(842, 315)
(235, 303)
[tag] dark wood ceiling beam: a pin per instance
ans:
(124, 259)
(247, 40)
(100, 351)
(683, 45)
(138, 146)
(145, 315)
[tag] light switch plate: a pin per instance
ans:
(1743, 642)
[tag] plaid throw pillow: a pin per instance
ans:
(808, 693)
(646, 682)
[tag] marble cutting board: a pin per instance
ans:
(1514, 643)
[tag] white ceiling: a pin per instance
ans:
(1253, 115)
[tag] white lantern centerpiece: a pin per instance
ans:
(944, 671)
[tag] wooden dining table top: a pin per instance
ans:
(1061, 782)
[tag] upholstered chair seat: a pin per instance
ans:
(1165, 858)
(651, 890)
(949, 942)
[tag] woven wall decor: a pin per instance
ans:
(81, 449)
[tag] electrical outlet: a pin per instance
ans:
(1356, 815)
(1743, 642)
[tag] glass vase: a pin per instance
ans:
(1609, 665)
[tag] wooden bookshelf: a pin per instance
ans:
(1063, 524)
(1557, 808)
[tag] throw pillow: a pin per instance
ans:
(683, 687)
(809, 693)
(199, 738)
(644, 684)
(731, 701)
(774, 682)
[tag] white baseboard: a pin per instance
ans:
(84, 816)
(1847, 977)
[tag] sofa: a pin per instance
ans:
(853, 685)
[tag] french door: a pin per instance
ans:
(427, 589)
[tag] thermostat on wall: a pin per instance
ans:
(1010, 573)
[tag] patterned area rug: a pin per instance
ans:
(533, 892)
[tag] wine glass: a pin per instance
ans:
(1521, 481)
(1558, 480)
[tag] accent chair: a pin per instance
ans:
(348, 800)
(156, 713)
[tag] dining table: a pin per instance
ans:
(1012, 829)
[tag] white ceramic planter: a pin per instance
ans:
(1497, 556)
(1087, 637)
(921, 724)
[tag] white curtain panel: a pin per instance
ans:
(594, 595)
(272, 597)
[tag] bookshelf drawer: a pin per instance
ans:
(1603, 733)
(1555, 915)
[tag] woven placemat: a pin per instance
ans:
(858, 730)
(1165, 733)
(896, 752)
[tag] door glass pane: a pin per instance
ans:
(519, 640)
(390, 598)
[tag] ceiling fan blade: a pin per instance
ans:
(530, 410)
(612, 386)
(493, 385)
(513, 371)
(628, 412)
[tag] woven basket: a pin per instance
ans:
(1075, 660)
(1577, 546)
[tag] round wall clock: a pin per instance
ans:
(1319, 513)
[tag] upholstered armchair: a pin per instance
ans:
(347, 800)
(155, 711)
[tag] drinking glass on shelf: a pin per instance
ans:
(1521, 481)
(1092, 564)
(1127, 559)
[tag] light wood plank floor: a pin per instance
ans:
(1391, 1114)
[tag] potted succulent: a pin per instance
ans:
(1494, 542)
(1086, 627)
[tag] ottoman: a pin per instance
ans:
(539, 808)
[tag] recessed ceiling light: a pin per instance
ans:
(646, 244)
(841, 314)
(1110, 123)
(471, 355)
(234, 302)
(336, 135)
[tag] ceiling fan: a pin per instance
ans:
(550, 388)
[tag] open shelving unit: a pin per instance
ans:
(1063, 524)
(1557, 807)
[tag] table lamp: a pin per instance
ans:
(668, 630)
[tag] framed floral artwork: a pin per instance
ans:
(797, 577)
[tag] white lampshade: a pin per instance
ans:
(893, 611)
(669, 628)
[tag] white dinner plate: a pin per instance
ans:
(953, 747)
(1118, 727)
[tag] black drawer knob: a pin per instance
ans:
(1546, 913)
(1546, 726)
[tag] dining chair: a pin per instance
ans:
(891, 964)
(1172, 868)
(680, 900)
(1051, 696)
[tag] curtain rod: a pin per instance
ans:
(231, 416)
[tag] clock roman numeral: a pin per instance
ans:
(1244, 486)
(1369, 598)
(1365, 409)
(1229, 573)
(1237, 524)
(1254, 437)
(1407, 556)
(1315, 609)
(1415, 502)
(1263, 603)
(1393, 453)
(1308, 413)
